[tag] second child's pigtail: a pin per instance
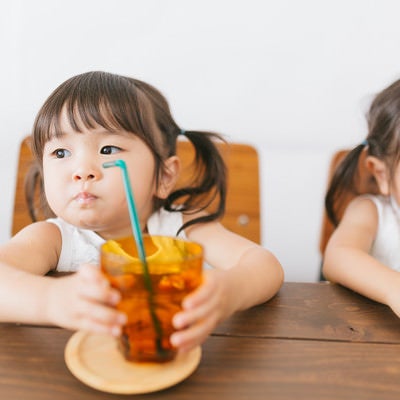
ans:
(343, 182)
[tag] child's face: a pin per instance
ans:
(83, 193)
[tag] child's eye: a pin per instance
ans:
(110, 150)
(61, 153)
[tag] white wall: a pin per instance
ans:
(292, 77)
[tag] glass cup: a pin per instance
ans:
(151, 296)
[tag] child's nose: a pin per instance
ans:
(86, 173)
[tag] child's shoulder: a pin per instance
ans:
(38, 231)
(376, 202)
(369, 201)
(371, 209)
(34, 248)
(364, 208)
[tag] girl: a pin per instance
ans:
(364, 251)
(88, 120)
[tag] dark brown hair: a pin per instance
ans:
(118, 102)
(382, 142)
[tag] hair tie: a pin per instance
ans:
(182, 132)
(365, 143)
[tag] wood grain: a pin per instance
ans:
(320, 311)
(238, 368)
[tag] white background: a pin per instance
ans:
(294, 78)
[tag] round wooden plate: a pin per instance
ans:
(96, 361)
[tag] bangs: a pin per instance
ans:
(84, 115)
(92, 100)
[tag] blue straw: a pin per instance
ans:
(137, 232)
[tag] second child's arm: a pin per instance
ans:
(346, 259)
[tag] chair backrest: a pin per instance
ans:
(364, 184)
(243, 197)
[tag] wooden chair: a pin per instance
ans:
(243, 197)
(364, 184)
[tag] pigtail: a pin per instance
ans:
(35, 198)
(342, 183)
(207, 186)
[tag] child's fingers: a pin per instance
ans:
(90, 273)
(207, 300)
(92, 285)
(98, 327)
(101, 293)
(76, 304)
(101, 318)
(102, 314)
(189, 317)
(202, 293)
(189, 338)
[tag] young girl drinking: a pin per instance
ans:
(88, 120)
(363, 253)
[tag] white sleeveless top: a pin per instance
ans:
(386, 246)
(82, 246)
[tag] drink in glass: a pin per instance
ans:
(151, 294)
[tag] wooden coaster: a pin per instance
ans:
(96, 361)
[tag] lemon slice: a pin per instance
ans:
(166, 249)
(169, 250)
(111, 246)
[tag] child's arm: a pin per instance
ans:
(79, 301)
(346, 259)
(244, 275)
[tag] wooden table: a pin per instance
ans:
(312, 341)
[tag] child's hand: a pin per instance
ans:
(202, 311)
(84, 301)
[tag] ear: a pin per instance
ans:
(168, 177)
(380, 172)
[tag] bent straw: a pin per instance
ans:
(137, 233)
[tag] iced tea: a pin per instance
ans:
(150, 301)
